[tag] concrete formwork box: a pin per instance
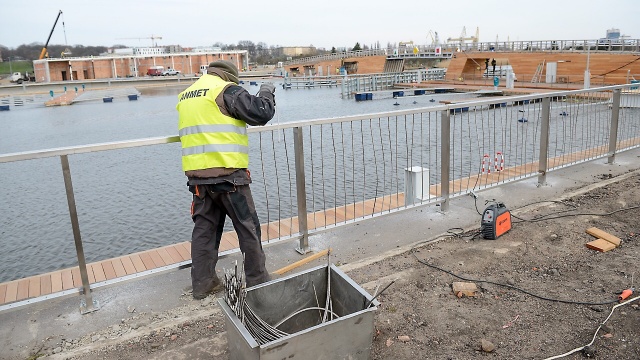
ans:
(348, 336)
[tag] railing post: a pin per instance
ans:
(544, 141)
(613, 132)
(88, 304)
(445, 158)
(301, 192)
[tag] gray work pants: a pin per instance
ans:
(211, 204)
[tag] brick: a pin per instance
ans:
(461, 289)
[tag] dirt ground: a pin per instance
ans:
(421, 318)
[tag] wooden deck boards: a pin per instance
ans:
(110, 269)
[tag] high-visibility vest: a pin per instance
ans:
(209, 138)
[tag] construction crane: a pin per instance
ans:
(152, 37)
(44, 53)
(463, 37)
(435, 41)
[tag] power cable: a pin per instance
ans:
(551, 217)
(510, 286)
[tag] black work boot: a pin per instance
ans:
(216, 285)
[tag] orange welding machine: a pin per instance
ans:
(496, 220)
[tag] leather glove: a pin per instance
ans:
(268, 86)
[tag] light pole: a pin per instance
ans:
(10, 68)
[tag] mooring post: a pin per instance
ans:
(613, 131)
(301, 192)
(445, 157)
(88, 305)
(544, 141)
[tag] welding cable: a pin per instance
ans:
(537, 218)
(510, 286)
(551, 217)
(596, 333)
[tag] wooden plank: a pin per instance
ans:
(175, 255)
(166, 258)
(98, 272)
(183, 251)
(226, 245)
(147, 261)
(600, 245)
(23, 289)
(600, 234)
(77, 279)
(229, 240)
(67, 279)
(118, 267)
(12, 292)
(34, 286)
(127, 262)
(109, 270)
(56, 281)
(3, 293)
(157, 259)
(45, 284)
(187, 246)
(90, 275)
(302, 262)
(137, 263)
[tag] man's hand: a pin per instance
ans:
(268, 86)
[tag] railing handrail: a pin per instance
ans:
(442, 150)
(82, 149)
(486, 46)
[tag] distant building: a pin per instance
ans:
(200, 49)
(613, 34)
(175, 48)
(297, 50)
(130, 65)
(613, 37)
(149, 50)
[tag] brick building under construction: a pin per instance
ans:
(130, 66)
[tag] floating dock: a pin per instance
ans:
(106, 95)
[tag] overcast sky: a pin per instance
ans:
(324, 24)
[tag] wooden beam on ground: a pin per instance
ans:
(600, 245)
(594, 231)
(302, 262)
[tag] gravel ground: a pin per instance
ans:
(514, 315)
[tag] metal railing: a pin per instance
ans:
(312, 176)
(446, 50)
(340, 55)
(352, 84)
(616, 45)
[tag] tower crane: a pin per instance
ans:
(152, 37)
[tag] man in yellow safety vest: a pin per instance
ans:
(213, 116)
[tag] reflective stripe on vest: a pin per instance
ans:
(197, 129)
(209, 138)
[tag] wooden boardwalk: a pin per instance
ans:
(175, 255)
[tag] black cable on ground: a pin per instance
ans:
(550, 217)
(510, 286)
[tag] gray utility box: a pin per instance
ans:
(349, 336)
